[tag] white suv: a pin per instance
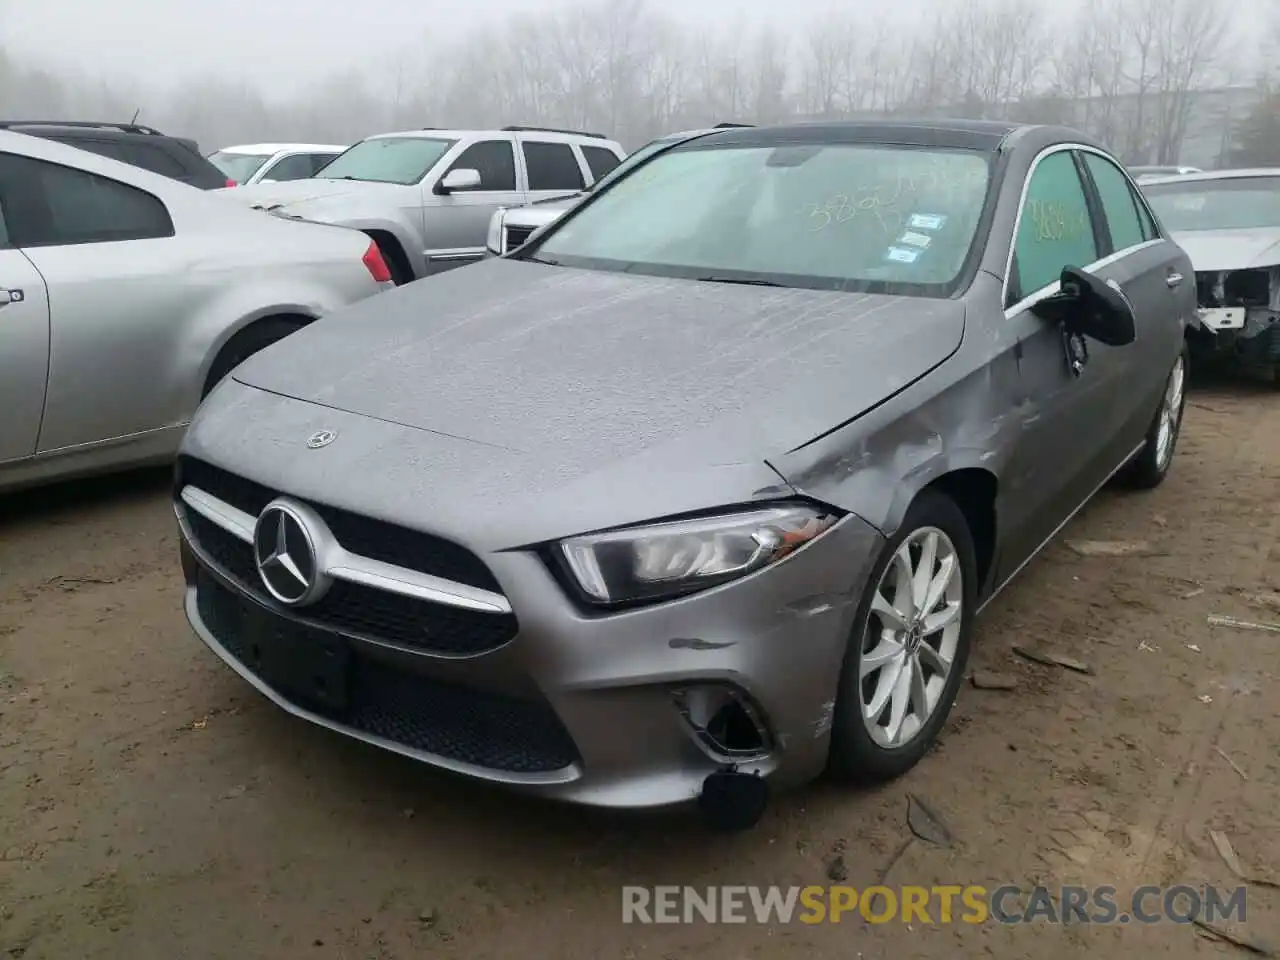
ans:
(273, 162)
(426, 196)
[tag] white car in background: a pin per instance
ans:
(273, 162)
(1228, 222)
(127, 296)
(426, 196)
(1147, 173)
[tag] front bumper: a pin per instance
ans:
(1233, 324)
(574, 706)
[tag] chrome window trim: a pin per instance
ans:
(1049, 290)
(341, 564)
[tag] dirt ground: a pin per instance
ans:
(153, 806)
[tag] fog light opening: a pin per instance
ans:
(724, 721)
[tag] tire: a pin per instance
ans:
(1149, 468)
(246, 343)
(855, 755)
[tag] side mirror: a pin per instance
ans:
(462, 179)
(1090, 306)
(493, 239)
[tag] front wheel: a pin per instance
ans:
(1149, 468)
(909, 647)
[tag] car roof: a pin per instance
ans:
(52, 151)
(431, 133)
(981, 134)
(281, 148)
(87, 131)
(1219, 175)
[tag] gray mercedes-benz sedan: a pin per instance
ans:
(701, 489)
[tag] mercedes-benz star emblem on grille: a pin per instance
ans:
(321, 438)
(285, 551)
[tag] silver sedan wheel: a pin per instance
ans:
(911, 637)
(1170, 414)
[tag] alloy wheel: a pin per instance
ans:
(911, 638)
(1170, 414)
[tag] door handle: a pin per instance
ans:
(10, 296)
(1173, 279)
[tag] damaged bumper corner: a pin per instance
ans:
(644, 705)
(1239, 317)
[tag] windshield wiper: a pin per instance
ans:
(741, 280)
(547, 260)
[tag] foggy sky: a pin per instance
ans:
(280, 46)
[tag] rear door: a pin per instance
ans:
(455, 224)
(115, 289)
(1156, 278)
(24, 348)
(551, 168)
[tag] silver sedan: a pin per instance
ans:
(126, 296)
(702, 488)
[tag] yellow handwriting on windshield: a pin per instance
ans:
(878, 202)
(1055, 221)
(946, 184)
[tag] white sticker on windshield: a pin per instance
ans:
(915, 239)
(903, 255)
(927, 221)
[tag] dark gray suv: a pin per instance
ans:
(176, 157)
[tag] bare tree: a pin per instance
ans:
(1127, 71)
(1189, 41)
(824, 51)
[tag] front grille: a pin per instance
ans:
(349, 608)
(375, 539)
(483, 729)
(517, 236)
(362, 611)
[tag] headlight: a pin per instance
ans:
(666, 560)
(493, 240)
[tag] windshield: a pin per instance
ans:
(843, 216)
(628, 164)
(239, 166)
(387, 160)
(1231, 203)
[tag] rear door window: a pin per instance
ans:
(1118, 202)
(552, 166)
(47, 204)
(103, 148)
(151, 158)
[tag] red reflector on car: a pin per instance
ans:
(377, 266)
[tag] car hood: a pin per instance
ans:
(287, 196)
(1230, 249)
(580, 368)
